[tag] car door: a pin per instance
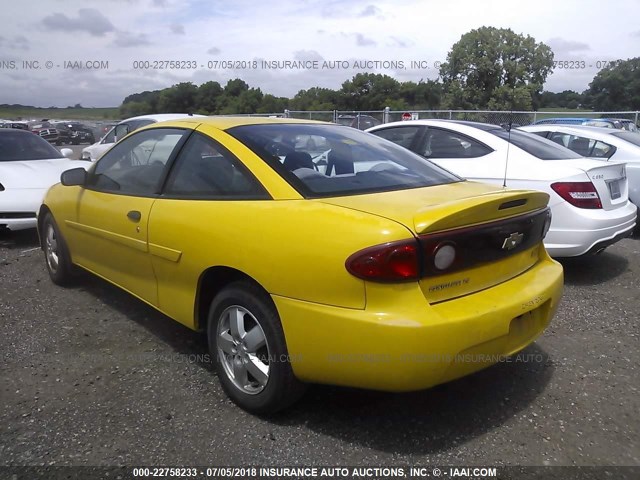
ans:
(207, 193)
(113, 210)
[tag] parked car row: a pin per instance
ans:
(73, 133)
(617, 123)
(59, 133)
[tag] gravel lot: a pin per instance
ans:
(92, 376)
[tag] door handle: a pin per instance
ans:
(134, 216)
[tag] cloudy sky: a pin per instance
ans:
(45, 45)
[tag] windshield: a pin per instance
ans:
(339, 161)
(630, 137)
(18, 145)
(534, 145)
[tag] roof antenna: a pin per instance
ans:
(506, 162)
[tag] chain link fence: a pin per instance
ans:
(364, 119)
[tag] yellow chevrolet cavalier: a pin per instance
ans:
(309, 252)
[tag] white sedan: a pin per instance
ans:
(599, 143)
(95, 151)
(588, 198)
(29, 165)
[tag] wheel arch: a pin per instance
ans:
(42, 212)
(212, 281)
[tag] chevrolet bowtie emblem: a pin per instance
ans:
(512, 241)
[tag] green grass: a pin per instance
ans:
(19, 112)
(566, 112)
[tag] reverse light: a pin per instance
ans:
(390, 262)
(444, 256)
(578, 194)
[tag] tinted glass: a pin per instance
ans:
(538, 147)
(402, 136)
(353, 162)
(442, 143)
(136, 165)
(18, 145)
(587, 147)
(205, 169)
(630, 137)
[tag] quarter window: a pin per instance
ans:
(587, 147)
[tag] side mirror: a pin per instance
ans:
(66, 152)
(75, 176)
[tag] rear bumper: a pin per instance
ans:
(579, 231)
(401, 343)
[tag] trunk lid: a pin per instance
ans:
(609, 178)
(497, 233)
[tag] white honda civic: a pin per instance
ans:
(29, 165)
(588, 198)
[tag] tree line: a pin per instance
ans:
(487, 69)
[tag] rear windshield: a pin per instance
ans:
(630, 137)
(538, 147)
(332, 160)
(19, 145)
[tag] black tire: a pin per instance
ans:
(56, 253)
(252, 306)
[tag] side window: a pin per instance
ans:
(135, 166)
(402, 136)
(448, 144)
(587, 147)
(563, 139)
(205, 169)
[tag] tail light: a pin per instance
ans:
(390, 262)
(449, 251)
(578, 194)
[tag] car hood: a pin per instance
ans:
(35, 173)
